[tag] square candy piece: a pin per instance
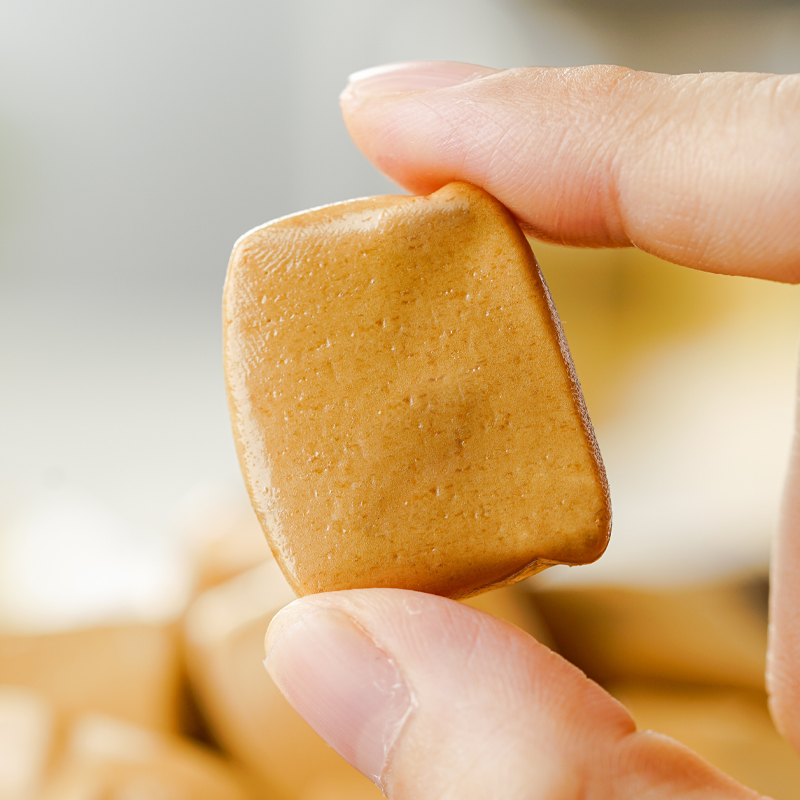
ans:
(404, 406)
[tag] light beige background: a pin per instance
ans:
(138, 140)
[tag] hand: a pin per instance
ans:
(433, 699)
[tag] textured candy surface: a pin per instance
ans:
(403, 403)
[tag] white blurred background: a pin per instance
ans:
(139, 140)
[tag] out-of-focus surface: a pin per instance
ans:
(26, 736)
(106, 757)
(224, 633)
(128, 671)
(690, 380)
(711, 635)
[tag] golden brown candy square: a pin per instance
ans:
(404, 406)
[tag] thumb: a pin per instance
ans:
(702, 170)
(433, 699)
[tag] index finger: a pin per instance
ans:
(701, 170)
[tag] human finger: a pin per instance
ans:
(783, 660)
(702, 170)
(430, 699)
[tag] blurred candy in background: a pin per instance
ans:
(137, 142)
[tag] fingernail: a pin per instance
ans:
(341, 683)
(411, 76)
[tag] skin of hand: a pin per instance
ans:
(433, 699)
